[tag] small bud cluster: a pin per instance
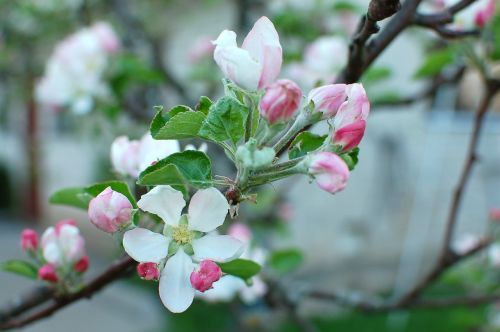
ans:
(59, 254)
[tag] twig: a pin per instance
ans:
(447, 256)
(118, 269)
(25, 302)
(378, 10)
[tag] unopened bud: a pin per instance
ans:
(207, 273)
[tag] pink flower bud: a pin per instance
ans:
(329, 170)
(48, 273)
(357, 107)
(148, 271)
(29, 240)
(350, 136)
(257, 62)
(106, 36)
(208, 273)
(281, 101)
(110, 211)
(328, 98)
(82, 265)
(495, 214)
(484, 15)
(240, 232)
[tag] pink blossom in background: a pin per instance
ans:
(82, 265)
(465, 243)
(62, 244)
(485, 14)
(110, 211)
(29, 240)
(494, 214)
(240, 231)
(329, 170)
(48, 273)
(202, 48)
(280, 101)
(74, 73)
(257, 63)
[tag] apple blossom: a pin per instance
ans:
(29, 240)
(229, 286)
(184, 240)
(465, 243)
(327, 99)
(280, 101)
(350, 120)
(62, 244)
(329, 170)
(74, 74)
(110, 211)
(207, 273)
(130, 157)
(82, 265)
(485, 14)
(48, 273)
(148, 271)
(257, 63)
(326, 55)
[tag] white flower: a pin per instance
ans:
(184, 240)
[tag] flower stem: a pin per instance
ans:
(301, 121)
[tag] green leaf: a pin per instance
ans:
(435, 62)
(351, 158)
(241, 268)
(376, 74)
(345, 6)
(22, 268)
(204, 105)
(80, 197)
(225, 121)
(305, 142)
(286, 260)
(179, 170)
(183, 123)
(495, 32)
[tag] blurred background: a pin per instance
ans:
(376, 237)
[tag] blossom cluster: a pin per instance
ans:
(59, 255)
(74, 73)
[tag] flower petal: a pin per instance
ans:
(152, 150)
(164, 201)
(145, 246)
(207, 210)
(52, 254)
(263, 44)
(219, 248)
(176, 291)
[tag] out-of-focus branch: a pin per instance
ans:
(25, 302)
(378, 10)
(117, 270)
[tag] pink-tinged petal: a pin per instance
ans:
(219, 248)
(328, 99)
(262, 42)
(350, 136)
(329, 170)
(281, 101)
(357, 106)
(238, 66)
(71, 243)
(53, 254)
(164, 201)
(145, 246)
(125, 156)
(152, 150)
(175, 289)
(207, 210)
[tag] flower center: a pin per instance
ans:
(182, 234)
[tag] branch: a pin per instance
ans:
(117, 270)
(378, 10)
(447, 256)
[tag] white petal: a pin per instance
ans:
(145, 246)
(164, 201)
(227, 38)
(53, 254)
(219, 248)
(207, 210)
(152, 150)
(176, 291)
(223, 290)
(239, 66)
